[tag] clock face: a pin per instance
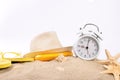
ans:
(86, 48)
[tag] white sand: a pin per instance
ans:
(71, 69)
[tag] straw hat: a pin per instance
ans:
(45, 41)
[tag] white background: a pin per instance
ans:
(21, 20)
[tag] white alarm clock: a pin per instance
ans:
(87, 46)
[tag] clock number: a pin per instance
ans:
(95, 45)
(89, 55)
(79, 50)
(81, 42)
(95, 49)
(81, 53)
(85, 56)
(78, 45)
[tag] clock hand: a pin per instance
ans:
(87, 51)
(88, 42)
(87, 46)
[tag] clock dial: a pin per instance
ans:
(87, 48)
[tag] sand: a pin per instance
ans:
(72, 69)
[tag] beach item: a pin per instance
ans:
(20, 59)
(61, 58)
(7, 58)
(113, 69)
(45, 41)
(50, 56)
(112, 65)
(87, 45)
(15, 57)
(110, 59)
(3, 62)
(46, 46)
(51, 51)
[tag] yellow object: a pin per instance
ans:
(51, 56)
(57, 50)
(16, 57)
(20, 59)
(3, 62)
(11, 55)
(6, 59)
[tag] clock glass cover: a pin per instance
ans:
(86, 48)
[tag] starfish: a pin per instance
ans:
(110, 59)
(113, 69)
(111, 64)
